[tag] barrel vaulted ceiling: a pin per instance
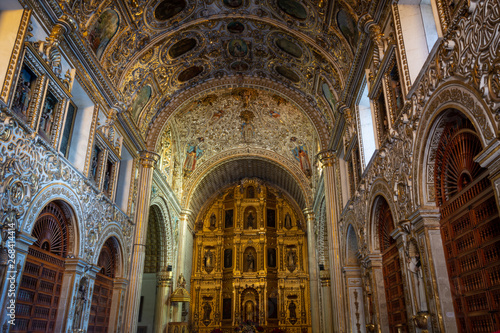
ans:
(188, 66)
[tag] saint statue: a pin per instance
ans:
(250, 220)
(292, 308)
(249, 310)
(250, 262)
(181, 282)
(288, 221)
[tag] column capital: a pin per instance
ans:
(309, 212)
(328, 157)
(148, 158)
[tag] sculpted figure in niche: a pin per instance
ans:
(249, 311)
(291, 308)
(207, 309)
(250, 262)
(288, 221)
(209, 261)
(213, 220)
(250, 221)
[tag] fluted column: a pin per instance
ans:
(328, 159)
(313, 272)
(164, 285)
(148, 160)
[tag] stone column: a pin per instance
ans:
(163, 289)
(425, 227)
(313, 272)
(328, 159)
(119, 291)
(326, 305)
(354, 283)
(377, 317)
(131, 312)
(184, 250)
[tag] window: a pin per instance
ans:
(366, 126)
(68, 130)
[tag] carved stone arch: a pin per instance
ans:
(161, 119)
(351, 246)
(113, 231)
(155, 240)
(321, 234)
(380, 189)
(110, 256)
(207, 167)
(450, 96)
(68, 201)
(168, 231)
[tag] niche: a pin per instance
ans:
(250, 218)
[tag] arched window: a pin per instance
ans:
(366, 127)
(41, 282)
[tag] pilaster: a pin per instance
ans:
(147, 162)
(313, 273)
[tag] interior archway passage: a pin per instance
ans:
(241, 240)
(103, 288)
(41, 282)
(393, 280)
(470, 229)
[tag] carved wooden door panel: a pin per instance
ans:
(391, 266)
(39, 292)
(470, 230)
(101, 304)
(40, 287)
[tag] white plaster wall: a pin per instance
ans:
(81, 129)
(124, 179)
(9, 26)
(415, 41)
(148, 291)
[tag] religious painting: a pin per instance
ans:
(271, 258)
(228, 258)
(237, 48)
(48, 116)
(181, 47)
(228, 220)
(193, 152)
(168, 9)
(301, 155)
(68, 129)
(292, 312)
(235, 27)
(272, 308)
(209, 261)
(289, 47)
(347, 26)
(233, 3)
(274, 113)
(24, 90)
(291, 260)
(227, 308)
(288, 73)
(106, 185)
(395, 87)
(293, 8)
(250, 260)
(190, 73)
(240, 66)
(271, 218)
(94, 163)
(327, 93)
(102, 31)
(140, 101)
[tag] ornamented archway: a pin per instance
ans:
(469, 226)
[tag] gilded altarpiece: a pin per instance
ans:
(250, 262)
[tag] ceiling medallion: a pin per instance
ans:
(289, 47)
(233, 3)
(235, 27)
(181, 47)
(293, 8)
(239, 66)
(168, 9)
(237, 48)
(288, 73)
(190, 73)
